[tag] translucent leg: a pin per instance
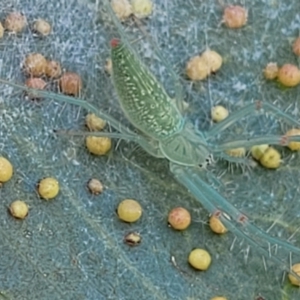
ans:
(113, 135)
(231, 217)
(125, 133)
(152, 147)
(251, 109)
(71, 100)
(237, 160)
(282, 140)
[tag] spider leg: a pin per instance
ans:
(231, 217)
(251, 108)
(150, 146)
(71, 100)
(124, 133)
(281, 140)
(234, 159)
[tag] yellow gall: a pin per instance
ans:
(48, 188)
(95, 186)
(94, 123)
(142, 8)
(42, 27)
(98, 145)
(235, 16)
(35, 64)
(216, 225)
(1, 30)
(15, 22)
(6, 170)
(129, 210)
(132, 239)
(289, 75)
(122, 9)
(179, 218)
(35, 83)
(296, 46)
(218, 298)
(271, 71)
(70, 84)
(18, 209)
(197, 68)
(237, 152)
(258, 151)
(200, 259)
(53, 69)
(294, 146)
(271, 159)
(293, 279)
(219, 113)
(213, 60)
(108, 66)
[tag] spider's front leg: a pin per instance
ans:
(149, 145)
(234, 220)
(251, 109)
(280, 140)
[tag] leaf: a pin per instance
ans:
(72, 247)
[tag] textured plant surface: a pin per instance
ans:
(72, 247)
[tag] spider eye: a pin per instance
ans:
(207, 162)
(209, 159)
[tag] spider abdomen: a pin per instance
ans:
(143, 100)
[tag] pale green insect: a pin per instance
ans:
(167, 134)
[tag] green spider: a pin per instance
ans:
(167, 134)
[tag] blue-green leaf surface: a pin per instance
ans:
(72, 247)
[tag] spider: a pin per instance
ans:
(166, 134)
